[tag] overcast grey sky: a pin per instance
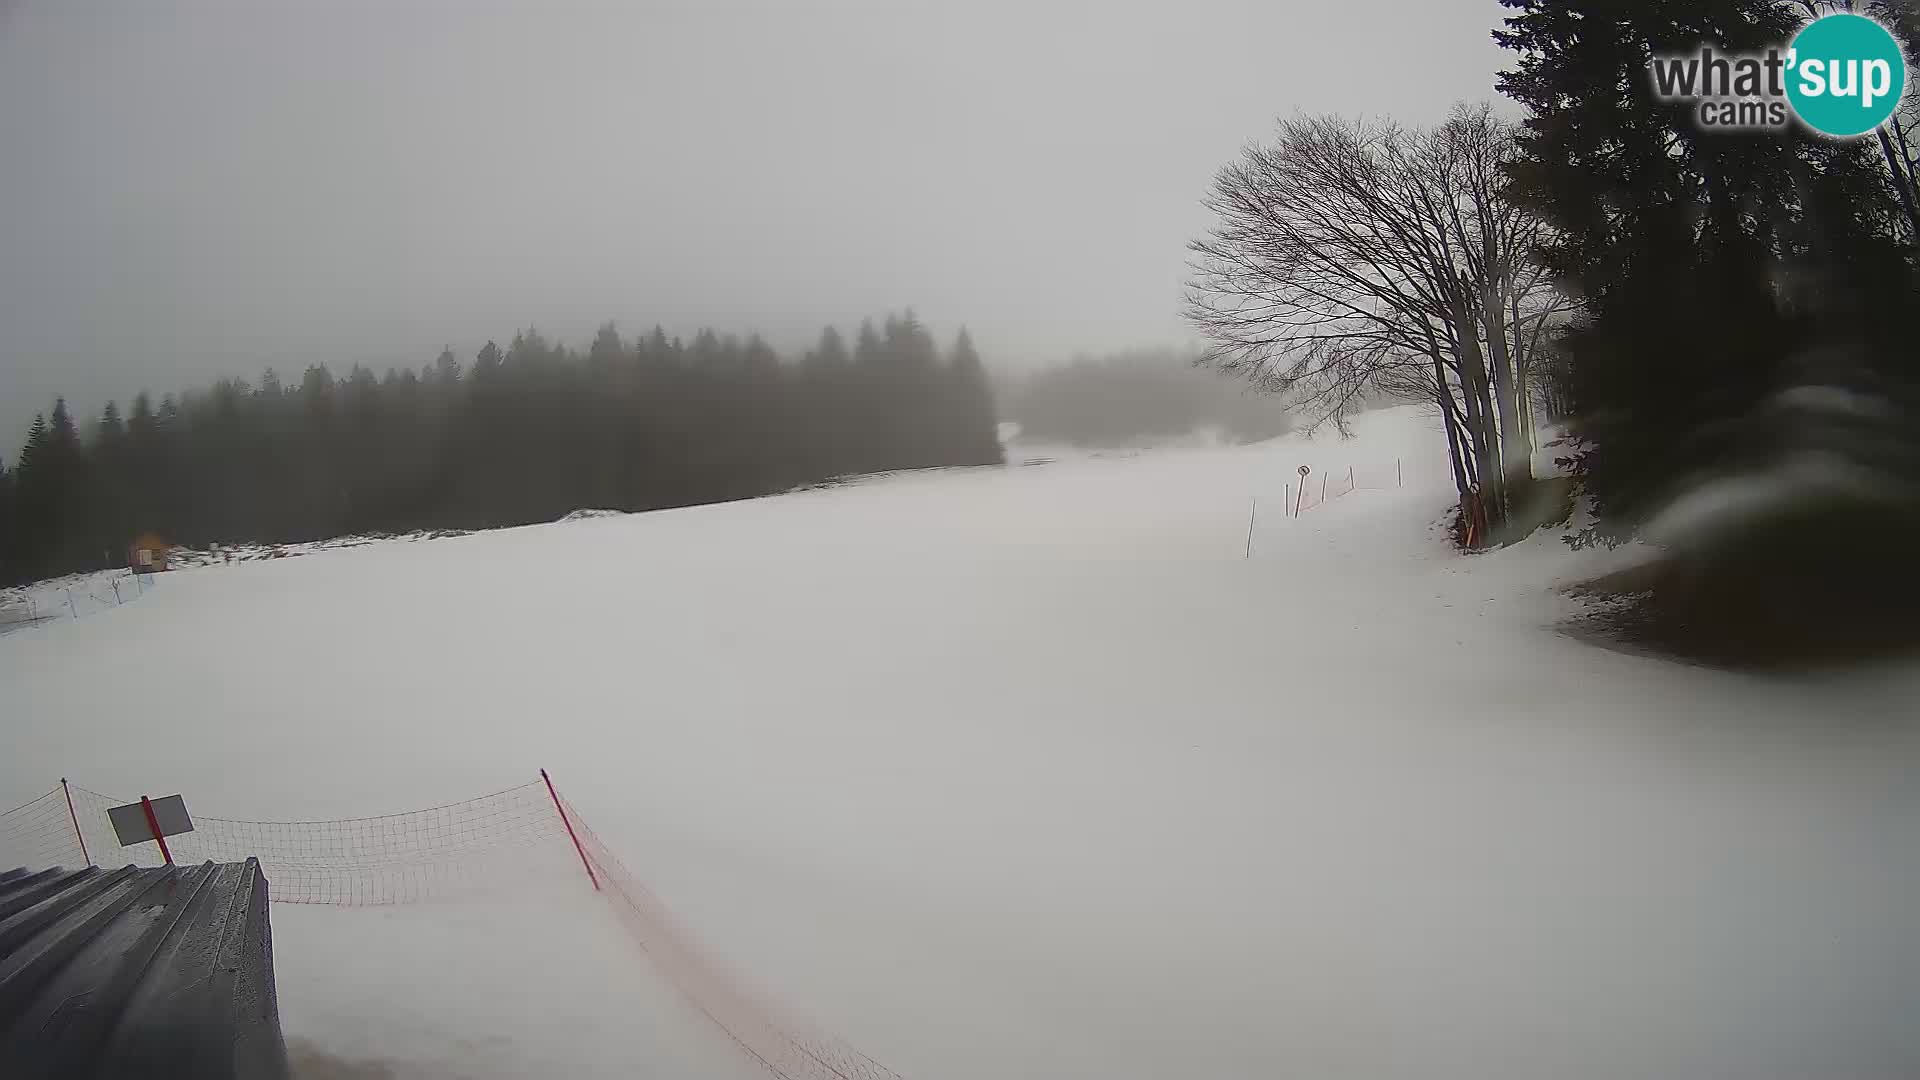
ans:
(189, 189)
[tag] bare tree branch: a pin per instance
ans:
(1350, 257)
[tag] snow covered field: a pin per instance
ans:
(1027, 772)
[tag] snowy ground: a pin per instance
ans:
(78, 596)
(74, 596)
(1029, 773)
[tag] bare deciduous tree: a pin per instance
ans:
(1352, 256)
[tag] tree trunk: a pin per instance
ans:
(1516, 466)
(1480, 421)
(1522, 384)
(1443, 397)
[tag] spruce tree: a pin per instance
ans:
(35, 504)
(1746, 321)
(976, 427)
(11, 573)
(866, 348)
(1677, 242)
(110, 524)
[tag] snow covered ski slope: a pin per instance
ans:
(1030, 772)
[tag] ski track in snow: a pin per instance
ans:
(1027, 772)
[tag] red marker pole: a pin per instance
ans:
(154, 824)
(571, 835)
(75, 818)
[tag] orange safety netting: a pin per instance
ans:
(785, 1047)
(387, 859)
(461, 847)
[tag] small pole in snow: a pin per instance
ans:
(1323, 487)
(116, 592)
(1350, 483)
(153, 823)
(1251, 511)
(571, 835)
(1397, 481)
(75, 818)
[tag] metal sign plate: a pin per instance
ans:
(130, 821)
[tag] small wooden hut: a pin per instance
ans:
(148, 553)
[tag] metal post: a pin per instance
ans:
(1251, 511)
(1397, 481)
(1323, 487)
(153, 823)
(571, 835)
(75, 818)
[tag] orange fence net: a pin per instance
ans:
(783, 1046)
(461, 847)
(39, 833)
(475, 844)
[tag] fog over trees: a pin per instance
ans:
(1138, 396)
(518, 434)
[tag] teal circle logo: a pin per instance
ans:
(1845, 75)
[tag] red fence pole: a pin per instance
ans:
(571, 835)
(75, 818)
(154, 824)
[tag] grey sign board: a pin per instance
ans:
(130, 821)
